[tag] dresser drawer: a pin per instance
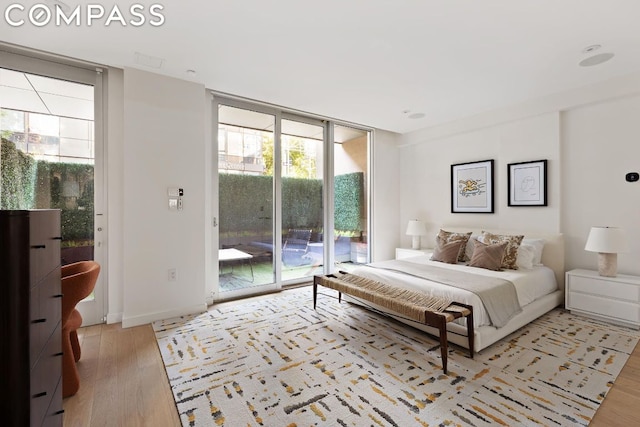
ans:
(45, 312)
(45, 376)
(44, 242)
(608, 289)
(54, 415)
(623, 310)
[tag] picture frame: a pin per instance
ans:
(472, 187)
(527, 183)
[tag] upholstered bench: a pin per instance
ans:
(416, 306)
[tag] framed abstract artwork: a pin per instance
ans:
(527, 183)
(472, 187)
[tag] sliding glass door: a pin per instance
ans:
(302, 147)
(275, 219)
(246, 233)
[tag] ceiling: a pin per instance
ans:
(370, 62)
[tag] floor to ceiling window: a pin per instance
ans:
(274, 212)
(49, 157)
(351, 194)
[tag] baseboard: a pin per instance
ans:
(143, 319)
(114, 318)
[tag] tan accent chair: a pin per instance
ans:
(78, 281)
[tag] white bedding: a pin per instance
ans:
(530, 284)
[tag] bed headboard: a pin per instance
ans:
(552, 255)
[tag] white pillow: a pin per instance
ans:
(538, 245)
(526, 255)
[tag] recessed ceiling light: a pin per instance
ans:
(416, 115)
(591, 48)
(596, 59)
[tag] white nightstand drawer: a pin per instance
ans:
(606, 307)
(597, 286)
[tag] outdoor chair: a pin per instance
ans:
(295, 246)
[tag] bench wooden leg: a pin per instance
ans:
(470, 332)
(444, 345)
(315, 293)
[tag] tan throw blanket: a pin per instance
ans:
(497, 295)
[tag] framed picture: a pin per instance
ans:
(472, 187)
(528, 183)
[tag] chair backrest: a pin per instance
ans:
(297, 239)
(78, 281)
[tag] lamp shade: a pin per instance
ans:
(416, 228)
(609, 240)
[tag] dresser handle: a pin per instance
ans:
(57, 238)
(59, 354)
(61, 411)
(39, 321)
(58, 296)
(44, 393)
(38, 246)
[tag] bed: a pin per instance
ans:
(539, 289)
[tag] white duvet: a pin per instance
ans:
(530, 284)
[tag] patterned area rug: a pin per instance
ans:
(277, 362)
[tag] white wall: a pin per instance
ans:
(164, 146)
(425, 176)
(601, 144)
(590, 137)
(385, 197)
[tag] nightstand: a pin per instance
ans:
(407, 253)
(613, 299)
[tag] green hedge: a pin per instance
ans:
(349, 202)
(18, 177)
(247, 203)
(26, 183)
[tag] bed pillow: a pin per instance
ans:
(447, 252)
(538, 245)
(526, 254)
(448, 236)
(513, 242)
(468, 251)
(488, 256)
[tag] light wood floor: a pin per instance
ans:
(123, 383)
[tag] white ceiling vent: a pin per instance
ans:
(148, 61)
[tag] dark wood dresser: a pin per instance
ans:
(30, 309)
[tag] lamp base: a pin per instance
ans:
(415, 242)
(607, 264)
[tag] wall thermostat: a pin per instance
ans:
(632, 176)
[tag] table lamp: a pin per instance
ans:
(416, 228)
(607, 241)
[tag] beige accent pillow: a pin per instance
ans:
(447, 252)
(488, 256)
(448, 236)
(511, 254)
